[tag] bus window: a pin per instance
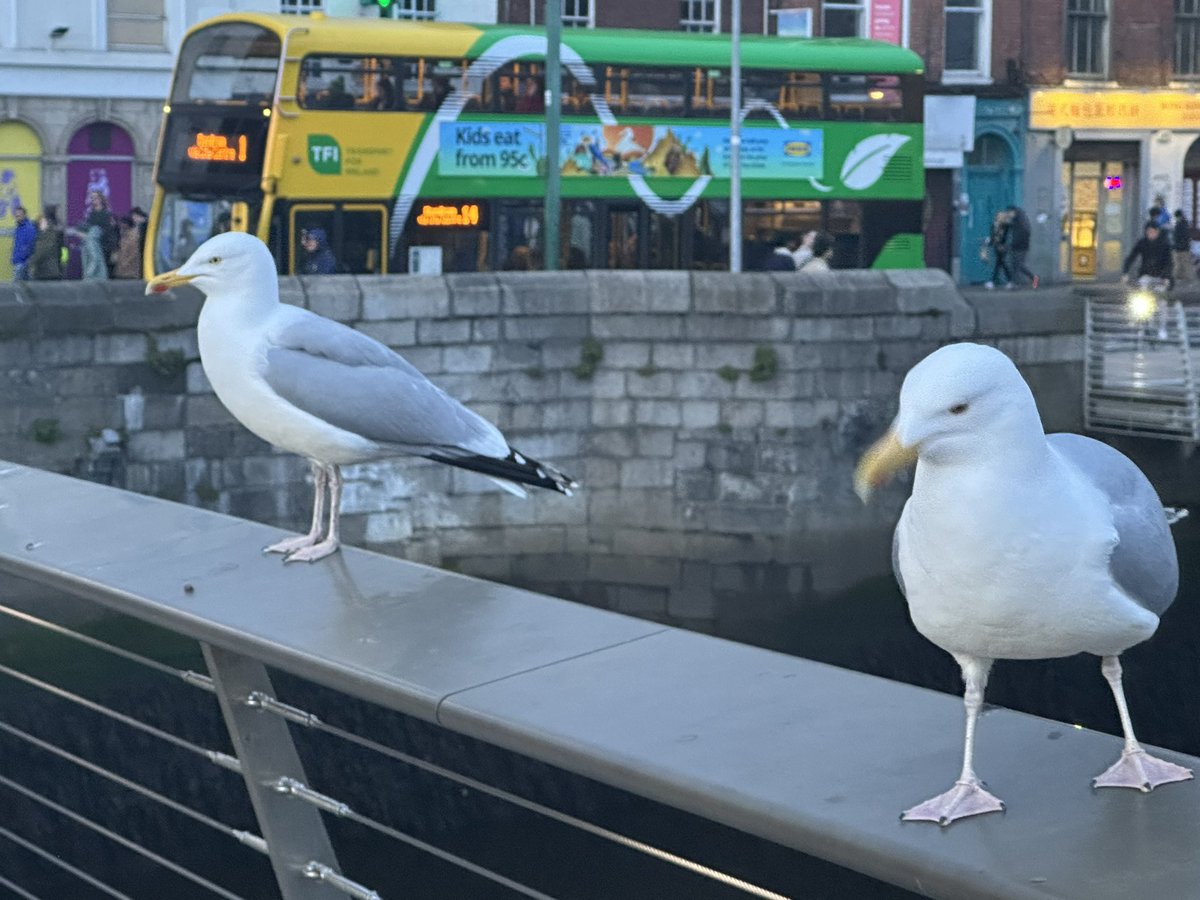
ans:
(430, 81)
(874, 98)
(795, 94)
(518, 88)
(230, 63)
(184, 224)
(644, 90)
(354, 233)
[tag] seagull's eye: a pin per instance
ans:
(214, 260)
(958, 409)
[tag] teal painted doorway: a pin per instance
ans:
(989, 188)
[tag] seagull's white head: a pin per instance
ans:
(225, 262)
(962, 402)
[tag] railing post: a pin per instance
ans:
(294, 832)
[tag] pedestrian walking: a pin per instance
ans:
(1181, 245)
(1019, 234)
(24, 237)
(46, 262)
(998, 243)
(1153, 254)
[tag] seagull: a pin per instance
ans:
(327, 392)
(1019, 545)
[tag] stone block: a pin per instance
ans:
(333, 296)
(122, 347)
(673, 356)
(17, 316)
(639, 570)
(654, 442)
(737, 328)
(443, 331)
(748, 293)
(547, 328)
(19, 352)
(693, 597)
(146, 446)
(647, 473)
(664, 413)
(661, 384)
(689, 454)
(471, 358)
(571, 414)
(197, 380)
(404, 297)
(598, 474)
(637, 291)
(473, 294)
(612, 413)
(69, 307)
(509, 357)
(134, 311)
(535, 539)
(639, 327)
(612, 443)
(291, 291)
(544, 293)
(743, 413)
(626, 354)
(388, 527)
(697, 414)
(637, 601)
(66, 350)
(932, 291)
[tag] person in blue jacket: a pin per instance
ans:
(319, 259)
(24, 237)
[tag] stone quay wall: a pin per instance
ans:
(713, 419)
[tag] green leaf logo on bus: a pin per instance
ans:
(868, 158)
(324, 154)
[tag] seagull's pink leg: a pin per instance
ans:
(968, 797)
(291, 545)
(1136, 768)
(332, 540)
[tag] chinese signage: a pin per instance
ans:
(682, 151)
(1113, 109)
(887, 21)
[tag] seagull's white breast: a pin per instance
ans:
(233, 352)
(1015, 568)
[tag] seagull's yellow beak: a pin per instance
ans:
(163, 282)
(884, 458)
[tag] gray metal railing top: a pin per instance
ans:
(813, 757)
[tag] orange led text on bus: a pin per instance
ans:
(216, 148)
(465, 216)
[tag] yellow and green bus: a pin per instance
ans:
(418, 146)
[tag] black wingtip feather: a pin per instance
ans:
(516, 467)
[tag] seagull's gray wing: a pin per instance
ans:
(1143, 563)
(352, 381)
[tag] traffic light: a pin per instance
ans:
(381, 5)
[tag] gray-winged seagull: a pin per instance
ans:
(1019, 545)
(321, 389)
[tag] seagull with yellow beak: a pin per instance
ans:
(1019, 545)
(326, 391)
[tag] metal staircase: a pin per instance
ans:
(1140, 373)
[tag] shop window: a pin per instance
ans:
(1087, 37)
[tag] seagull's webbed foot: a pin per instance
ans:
(1138, 769)
(967, 798)
(314, 552)
(291, 545)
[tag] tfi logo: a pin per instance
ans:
(324, 154)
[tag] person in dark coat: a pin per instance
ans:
(319, 259)
(1154, 254)
(1019, 234)
(46, 262)
(1181, 246)
(780, 258)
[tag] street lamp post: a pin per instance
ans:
(735, 137)
(553, 101)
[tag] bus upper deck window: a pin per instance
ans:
(874, 98)
(645, 90)
(228, 63)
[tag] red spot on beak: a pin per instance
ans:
(159, 289)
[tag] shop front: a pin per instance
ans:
(1114, 154)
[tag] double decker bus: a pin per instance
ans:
(419, 146)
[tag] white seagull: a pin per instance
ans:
(1019, 545)
(321, 389)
